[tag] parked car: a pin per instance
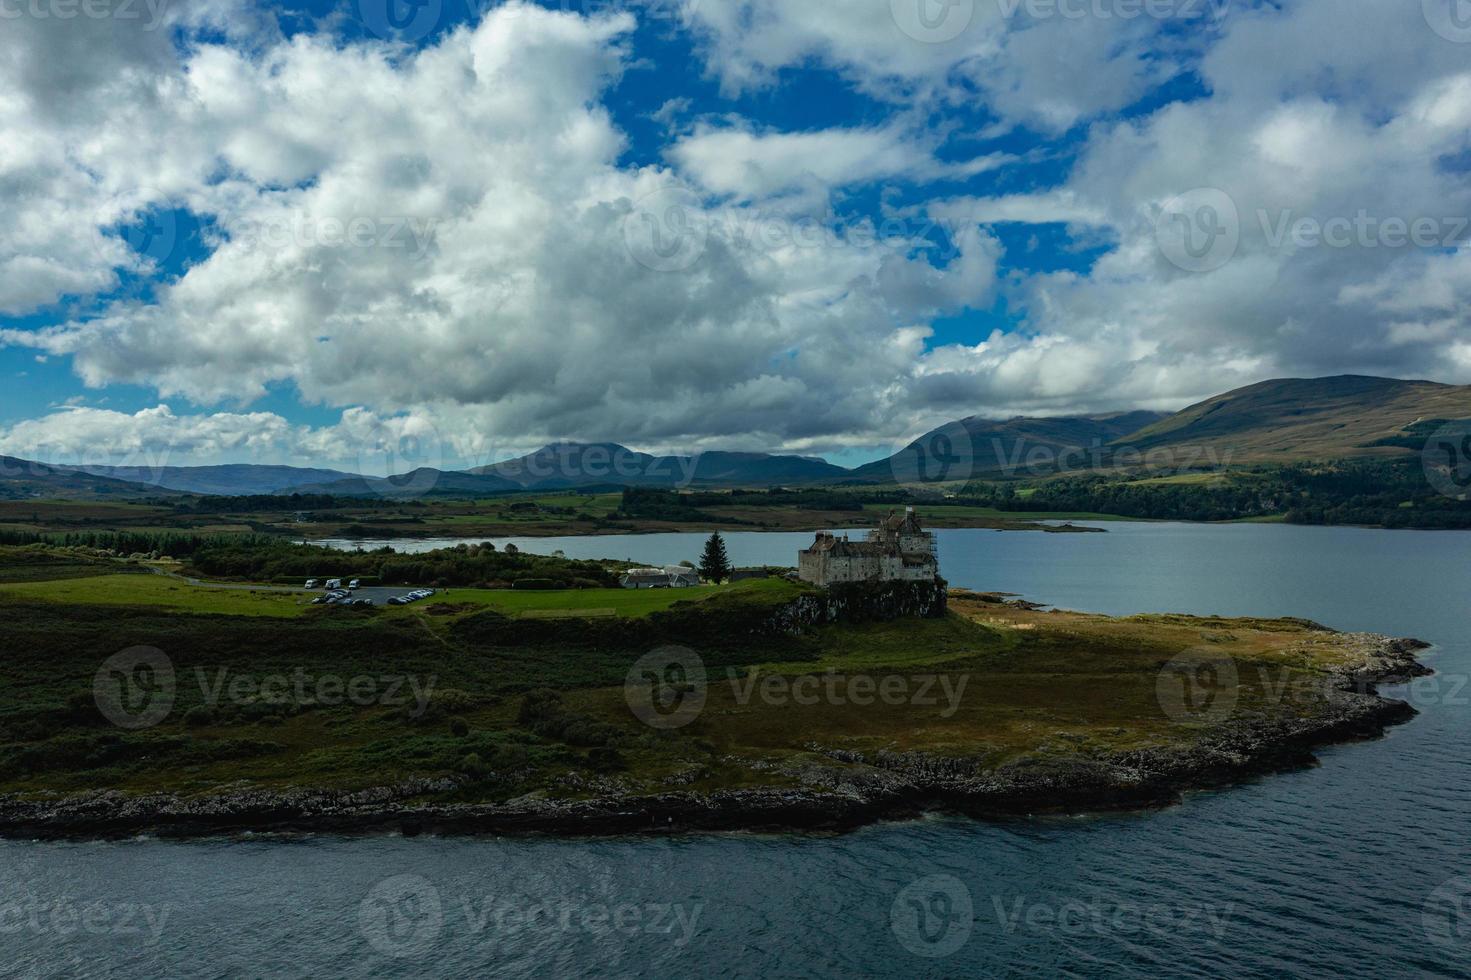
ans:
(319, 600)
(362, 602)
(311, 583)
(398, 600)
(334, 583)
(353, 585)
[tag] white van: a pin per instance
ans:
(334, 583)
(353, 584)
(311, 583)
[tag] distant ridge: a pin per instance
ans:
(1276, 421)
(227, 479)
(564, 465)
(976, 447)
(1310, 418)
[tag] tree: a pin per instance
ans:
(714, 564)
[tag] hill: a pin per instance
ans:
(1317, 418)
(418, 483)
(572, 464)
(24, 478)
(229, 480)
(977, 447)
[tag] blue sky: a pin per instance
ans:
(979, 217)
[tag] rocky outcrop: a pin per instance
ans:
(846, 790)
(861, 602)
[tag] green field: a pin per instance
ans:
(174, 594)
(159, 592)
(623, 602)
(537, 704)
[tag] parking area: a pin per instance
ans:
(380, 594)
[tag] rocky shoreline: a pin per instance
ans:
(884, 787)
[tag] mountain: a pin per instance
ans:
(1310, 418)
(574, 464)
(977, 447)
(23, 478)
(418, 483)
(230, 479)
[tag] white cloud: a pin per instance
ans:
(450, 235)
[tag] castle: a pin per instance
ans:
(898, 550)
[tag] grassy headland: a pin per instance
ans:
(504, 710)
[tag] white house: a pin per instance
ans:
(668, 577)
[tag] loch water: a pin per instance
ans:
(1360, 866)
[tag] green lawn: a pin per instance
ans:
(598, 602)
(172, 594)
